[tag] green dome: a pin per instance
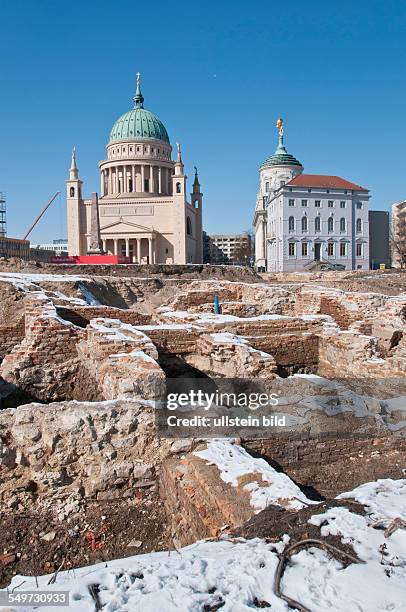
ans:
(281, 157)
(138, 123)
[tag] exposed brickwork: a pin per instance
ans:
(82, 315)
(10, 336)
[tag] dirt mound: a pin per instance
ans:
(37, 542)
(11, 306)
(273, 522)
(191, 271)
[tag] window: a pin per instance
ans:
(188, 226)
(330, 249)
(305, 249)
(291, 224)
(330, 224)
(343, 249)
(291, 202)
(342, 204)
(359, 226)
(267, 186)
(291, 249)
(342, 224)
(196, 203)
(317, 204)
(282, 183)
(304, 224)
(331, 204)
(359, 205)
(146, 185)
(178, 188)
(304, 203)
(317, 224)
(72, 192)
(359, 250)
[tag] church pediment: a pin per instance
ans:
(122, 226)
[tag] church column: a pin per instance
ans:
(133, 176)
(159, 180)
(102, 183)
(115, 246)
(127, 247)
(139, 250)
(150, 250)
(104, 246)
(110, 181)
(124, 184)
(151, 179)
(142, 178)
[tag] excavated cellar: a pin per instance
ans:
(56, 350)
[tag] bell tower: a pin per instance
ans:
(74, 205)
(179, 212)
(196, 199)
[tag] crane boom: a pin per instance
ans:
(40, 215)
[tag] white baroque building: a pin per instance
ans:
(305, 218)
(142, 211)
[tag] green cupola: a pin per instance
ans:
(138, 123)
(281, 157)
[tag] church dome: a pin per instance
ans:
(138, 123)
(281, 157)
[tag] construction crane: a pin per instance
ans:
(40, 215)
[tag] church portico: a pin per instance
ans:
(140, 249)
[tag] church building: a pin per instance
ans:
(142, 211)
(303, 221)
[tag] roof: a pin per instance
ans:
(324, 182)
(281, 157)
(138, 123)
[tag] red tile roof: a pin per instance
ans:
(324, 182)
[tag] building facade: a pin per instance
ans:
(302, 219)
(228, 249)
(398, 235)
(143, 211)
(58, 246)
(379, 239)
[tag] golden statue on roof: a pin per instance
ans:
(279, 125)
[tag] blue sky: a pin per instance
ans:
(218, 74)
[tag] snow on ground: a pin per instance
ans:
(210, 317)
(382, 498)
(233, 462)
(29, 283)
(88, 295)
(26, 279)
(240, 574)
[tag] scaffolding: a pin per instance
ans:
(3, 226)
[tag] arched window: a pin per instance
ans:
(196, 203)
(359, 226)
(304, 224)
(178, 188)
(330, 224)
(342, 224)
(72, 192)
(188, 226)
(291, 224)
(317, 224)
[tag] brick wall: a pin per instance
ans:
(81, 315)
(10, 336)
